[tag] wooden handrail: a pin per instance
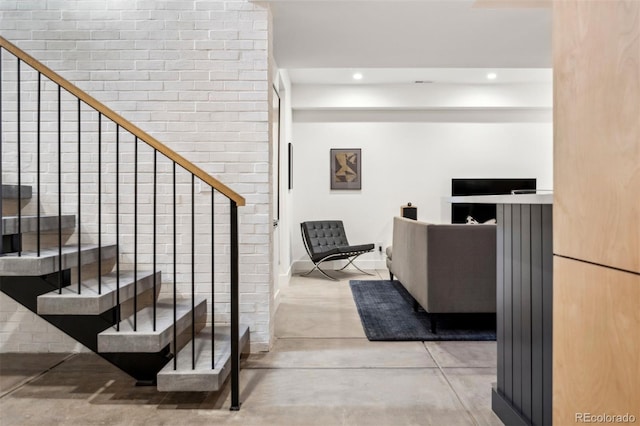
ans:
(122, 122)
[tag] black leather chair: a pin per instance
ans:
(327, 240)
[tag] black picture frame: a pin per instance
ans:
(290, 165)
(346, 169)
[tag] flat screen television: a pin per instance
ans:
(483, 212)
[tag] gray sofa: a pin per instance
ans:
(446, 268)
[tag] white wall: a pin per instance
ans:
(195, 75)
(410, 155)
(286, 195)
(430, 95)
(281, 243)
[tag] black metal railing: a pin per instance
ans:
(113, 133)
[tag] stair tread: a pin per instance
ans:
(164, 317)
(203, 351)
(202, 378)
(30, 223)
(145, 339)
(89, 301)
(53, 251)
(29, 264)
(90, 286)
(10, 191)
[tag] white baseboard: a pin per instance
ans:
(283, 281)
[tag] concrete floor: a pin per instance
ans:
(321, 371)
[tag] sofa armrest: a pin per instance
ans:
(410, 256)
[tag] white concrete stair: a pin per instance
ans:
(206, 376)
(29, 264)
(89, 302)
(11, 191)
(145, 339)
(30, 223)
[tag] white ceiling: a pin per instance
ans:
(416, 36)
(424, 75)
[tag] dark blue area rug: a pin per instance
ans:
(386, 312)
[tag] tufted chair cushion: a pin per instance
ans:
(327, 237)
(323, 236)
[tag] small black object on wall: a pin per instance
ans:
(409, 211)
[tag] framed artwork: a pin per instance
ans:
(346, 168)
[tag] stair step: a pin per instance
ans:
(29, 264)
(89, 302)
(11, 191)
(145, 339)
(30, 223)
(203, 378)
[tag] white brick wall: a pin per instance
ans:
(192, 73)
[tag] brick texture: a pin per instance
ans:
(193, 74)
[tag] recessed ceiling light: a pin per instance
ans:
(357, 76)
(492, 76)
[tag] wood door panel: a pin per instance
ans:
(596, 341)
(597, 131)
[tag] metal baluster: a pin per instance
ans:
(235, 317)
(213, 280)
(175, 338)
(118, 227)
(193, 273)
(38, 164)
(99, 203)
(79, 204)
(60, 273)
(19, 171)
(155, 192)
(135, 235)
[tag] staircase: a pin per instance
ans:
(121, 225)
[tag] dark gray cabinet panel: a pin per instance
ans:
(522, 394)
